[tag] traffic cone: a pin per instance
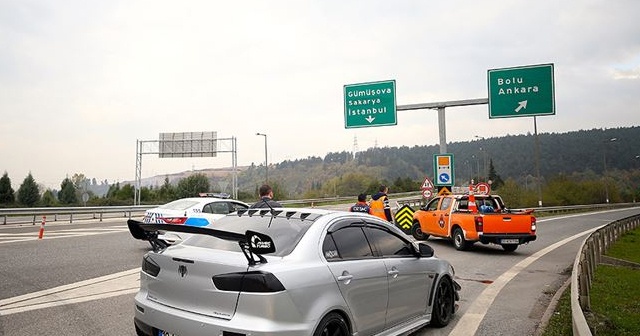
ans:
(472, 200)
(41, 233)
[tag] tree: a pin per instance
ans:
(7, 194)
(28, 193)
(81, 184)
(48, 199)
(67, 194)
(496, 180)
(166, 192)
(126, 193)
(192, 185)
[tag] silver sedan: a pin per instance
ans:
(293, 272)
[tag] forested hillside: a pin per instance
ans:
(582, 167)
(580, 155)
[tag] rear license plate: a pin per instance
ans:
(509, 241)
(164, 333)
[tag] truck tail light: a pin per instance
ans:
(533, 224)
(479, 223)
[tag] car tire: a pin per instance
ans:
(332, 325)
(459, 242)
(443, 304)
(417, 233)
(509, 247)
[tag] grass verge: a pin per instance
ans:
(615, 296)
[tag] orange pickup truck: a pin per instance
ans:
(449, 216)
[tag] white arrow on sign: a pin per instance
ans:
(521, 105)
(370, 119)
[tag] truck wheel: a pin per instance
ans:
(509, 247)
(459, 242)
(417, 233)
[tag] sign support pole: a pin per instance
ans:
(442, 130)
(440, 106)
(535, 130)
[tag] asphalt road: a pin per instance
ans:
(81, 278)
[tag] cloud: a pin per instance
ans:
(82, 81)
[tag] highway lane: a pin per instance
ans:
(83, 254)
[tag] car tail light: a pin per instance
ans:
(479, 223)
(149, 266)
(255, 281)
(174, 220)
(533, 223)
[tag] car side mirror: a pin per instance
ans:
(425, 250)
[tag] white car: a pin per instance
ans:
(193, 211)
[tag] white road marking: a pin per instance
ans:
(6, 238)
(469, 322)
(121, 283)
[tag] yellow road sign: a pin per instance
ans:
(444, 191)
(404, 217)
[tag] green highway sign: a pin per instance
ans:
(370, 104)
(521, 91)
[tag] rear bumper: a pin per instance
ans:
(498, 238)
(151, 317)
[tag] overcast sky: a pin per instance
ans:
(81, 81)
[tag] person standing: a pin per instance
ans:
(361, 205)
(266, 198)
(380, 204)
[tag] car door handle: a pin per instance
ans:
(345, 277)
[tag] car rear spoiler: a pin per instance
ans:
(253, 244)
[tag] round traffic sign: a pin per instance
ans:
(483, 188)
(427, 193)
(444, 178)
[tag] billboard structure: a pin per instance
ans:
(188, 144)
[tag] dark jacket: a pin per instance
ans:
(360, 207)
(266, 202)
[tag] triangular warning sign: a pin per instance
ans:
(444, 191)
(427, 184)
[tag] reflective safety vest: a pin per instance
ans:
(377, 208)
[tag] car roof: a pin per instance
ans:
(210, 199)
(198, 201)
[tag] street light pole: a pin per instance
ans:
(485, 168)
(604, 160)
(266, 163)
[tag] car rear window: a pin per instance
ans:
(286, 233)
(181, 204)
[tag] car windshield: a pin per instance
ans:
(181, 204)
(285, 232)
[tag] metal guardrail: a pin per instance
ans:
(33, 215)
(585, 264)
(55, 214)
